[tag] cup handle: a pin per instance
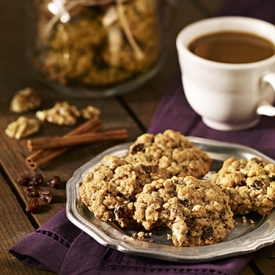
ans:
(264, 107)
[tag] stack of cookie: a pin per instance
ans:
(159, 182)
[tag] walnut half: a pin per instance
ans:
(25, 100)
(22, 127)
(90, 112)
(61, 113)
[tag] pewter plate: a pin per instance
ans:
(243, 239)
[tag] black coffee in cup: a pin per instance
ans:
(232, 47)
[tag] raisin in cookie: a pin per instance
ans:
(196, 211)
(109, 189)
(250, 184)
(170, 151)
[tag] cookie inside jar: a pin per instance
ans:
(97, 47)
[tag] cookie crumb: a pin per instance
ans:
(244, 221)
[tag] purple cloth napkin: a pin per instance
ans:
(61, 247)
(261, 9)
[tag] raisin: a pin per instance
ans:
(36, 179)
(149, 169)
(185, 203)
(257, 184)
(32, 191)
(120, 212)
(46, 195)
(137, 148)
(54, 182)
(23, 180)
(258, 161)
(272, 178)
(32, 205)
(207, 232)
(242, 183)
(190, 222)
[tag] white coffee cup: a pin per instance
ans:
(227, 96)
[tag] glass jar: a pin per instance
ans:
(95, 48)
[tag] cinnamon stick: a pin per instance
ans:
(69, 141)
(42, 156)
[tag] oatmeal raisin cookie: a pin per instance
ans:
(170, 151)
(195, 210)
(250, 184)
(109, 190)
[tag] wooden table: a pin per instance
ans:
(132, 111)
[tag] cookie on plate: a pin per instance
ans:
(170, 151)
(196, 211)
(109, 190)
(250, 184)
